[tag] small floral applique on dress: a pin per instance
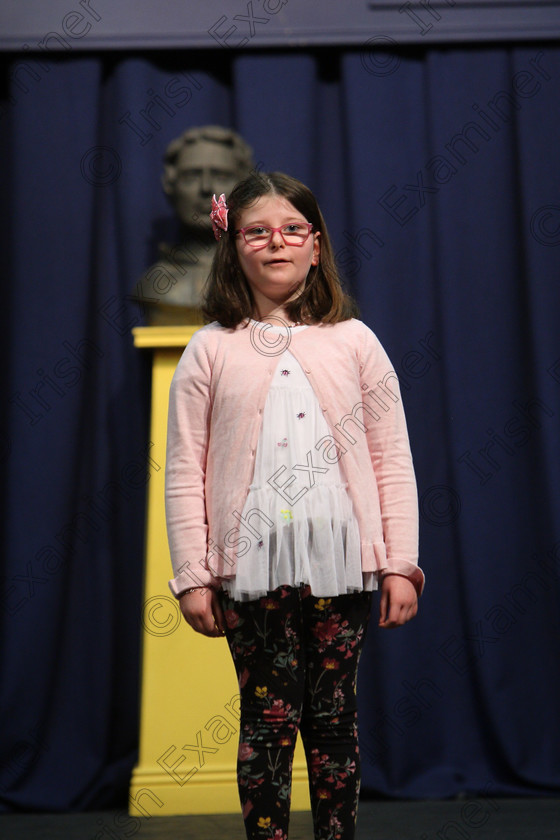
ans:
(283, 442)
(287, 514)
(301, 415)
(284, 372)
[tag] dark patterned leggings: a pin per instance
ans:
(296, 658)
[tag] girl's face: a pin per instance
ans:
(276, 272)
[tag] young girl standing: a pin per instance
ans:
(290, 496)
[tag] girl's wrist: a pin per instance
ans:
(192, 589)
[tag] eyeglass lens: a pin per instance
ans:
(293, 234)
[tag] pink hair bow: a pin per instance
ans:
(219, 215)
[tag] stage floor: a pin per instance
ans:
(467, 819)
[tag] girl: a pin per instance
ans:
(290, 496)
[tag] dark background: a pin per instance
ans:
(452, 250)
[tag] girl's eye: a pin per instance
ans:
(257, 231)
(294, 228)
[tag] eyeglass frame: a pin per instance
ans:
(276, 230)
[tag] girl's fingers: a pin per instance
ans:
(383, 608)
(218, 614)
(398, 615)
(399, 602)
(201, 610)
(205, 625)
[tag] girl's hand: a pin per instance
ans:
(201, 609)
(399, 601)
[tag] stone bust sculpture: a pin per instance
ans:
(199, 163)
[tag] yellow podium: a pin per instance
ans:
(189, 716)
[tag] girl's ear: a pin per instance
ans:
(316, 249)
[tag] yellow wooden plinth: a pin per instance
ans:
(189, 716)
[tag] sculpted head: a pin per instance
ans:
(199, 163)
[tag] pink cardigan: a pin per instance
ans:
(216, 403)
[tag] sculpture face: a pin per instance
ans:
(203, 168)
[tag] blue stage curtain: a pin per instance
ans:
(439, 176)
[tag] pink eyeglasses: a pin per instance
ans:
(258, 236)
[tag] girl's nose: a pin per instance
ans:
(276, 239)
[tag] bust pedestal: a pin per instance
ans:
(189, 716)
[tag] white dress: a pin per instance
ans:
(301, 527)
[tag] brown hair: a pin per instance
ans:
(227, 297)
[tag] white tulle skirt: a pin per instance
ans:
(298, 525)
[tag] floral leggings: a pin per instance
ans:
(296, 658)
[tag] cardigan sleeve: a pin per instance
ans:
(390, 454)
(185, 471)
